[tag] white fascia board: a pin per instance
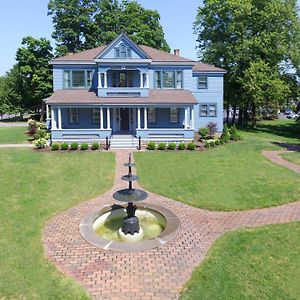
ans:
(209, 72)
(122, 61)
(172, 63)
(72, 62)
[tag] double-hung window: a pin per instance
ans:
(208, 110)
(202, 82)
(174, 115)
(78, 78)
(151, 115)
(168, 79)
(96, 115)
(73, 115)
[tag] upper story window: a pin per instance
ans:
(78, 78)
(169, 79)
(202, 82)
(122, 51)
(208, 110)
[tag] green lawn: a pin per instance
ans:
(253, 264)
(293, 157)
(33, 187)
(13, 135)
(230, 177)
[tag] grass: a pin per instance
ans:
(259, 263)
(229, 177)
(13, 135)
(34, 187)
(293, 157)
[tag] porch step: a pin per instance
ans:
(123, 142)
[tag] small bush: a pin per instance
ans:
(54, 147)
(225, 134)
(207, 144)
(95, 146)
(64, 146)
(181, 146)
(84, 146)
(40, 143)
(234, 134)
(212, 143)
(172, 146)
(203, 132)
(151, 146)
(212, 129)
(221, 141)
(161, 146)
(74, 146)
(191, 146)
(217, 142)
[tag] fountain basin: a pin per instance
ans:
(101, 228)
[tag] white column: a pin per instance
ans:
(192, 118)
(108, 118)
(47, 111)
(59, 117)
(147, 80)
(145, 118)
(101, 118)
(99, 81)
(53, 121)
(185, 118)
(141, 79)
(139, 118)
(105, 80)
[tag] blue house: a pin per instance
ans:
(123, 91)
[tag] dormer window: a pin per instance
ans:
(122, 51)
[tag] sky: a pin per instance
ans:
(29, 17)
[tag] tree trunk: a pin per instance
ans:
(233, 116)
(241, 112)
(245, 117)
(42, 112)
(227, 113)
(254, 115)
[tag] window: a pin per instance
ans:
(78, 78)
(208, 110)
(169, 79)
(96, 115)
(151, 115)
(73, 115)
(202, 82)
(123, 51)
(174, 115)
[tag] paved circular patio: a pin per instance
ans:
(158, 273)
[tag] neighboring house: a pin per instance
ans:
(136, 90)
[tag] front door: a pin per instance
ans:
(124, 124)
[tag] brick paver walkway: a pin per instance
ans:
(152, 274)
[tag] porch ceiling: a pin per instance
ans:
(160, 97)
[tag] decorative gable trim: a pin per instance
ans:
(123, 36)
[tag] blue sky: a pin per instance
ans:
(29, 17)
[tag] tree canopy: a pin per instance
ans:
(84, 24)
(253, 40)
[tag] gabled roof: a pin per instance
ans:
(201, 67)
(159, 97)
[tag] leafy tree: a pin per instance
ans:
(84, 24)
(244, 34)
(34, 71)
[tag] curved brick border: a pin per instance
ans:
(153, 274)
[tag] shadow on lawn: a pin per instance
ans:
(289, 147)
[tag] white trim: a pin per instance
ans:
(59, 117)
(101, 117)
(192, 117)
(122, 61)
(185, 118)
(145, 118)
(47, 111)
(53, 121)
(72, 62)
(139, 118)
(108, 118)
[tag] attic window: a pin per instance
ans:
(122, 51)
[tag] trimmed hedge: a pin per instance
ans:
(54, 147)
(151, 146)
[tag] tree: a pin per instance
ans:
(84, 24)
(35, 73)
(234, 34)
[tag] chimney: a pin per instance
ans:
(177, 52)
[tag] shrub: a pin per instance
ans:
(207, 144)
(225, 134)
(221, 141)
(217, 142)
(54, 147)
(74, 146)
(181, 146)
(64, 146)
(191, 146)
(203, 132)
(212, 129)
(34, 126)
(84, 146)
(161, 146)
(172, 146)
(151, 146)
(233, 133)
(95, 146)
(40, 143)
(212, 143)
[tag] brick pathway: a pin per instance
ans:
(152, 274)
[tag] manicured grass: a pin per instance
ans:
(276, 130)
(259, 263)
(13, 135)
(33, 187)
(293, 157)
(230, 177)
